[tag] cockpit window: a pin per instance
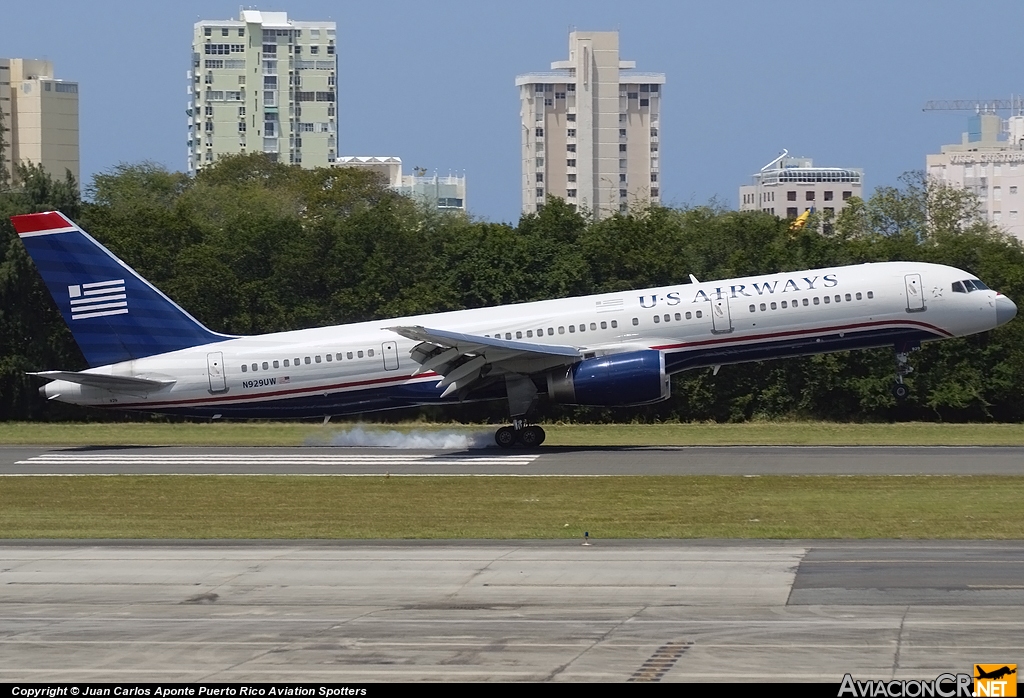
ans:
(968, 285)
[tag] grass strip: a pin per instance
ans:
(778, 507)
(753, 433)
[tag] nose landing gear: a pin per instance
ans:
(903, 368)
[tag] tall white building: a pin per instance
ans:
(591, 129)
(263, 83)
(988, 161)
(788, 186)
(40, 117)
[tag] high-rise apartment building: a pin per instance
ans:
(989, 161)
(263, 83)
(591, 129)
(788, 186)
(40, 117)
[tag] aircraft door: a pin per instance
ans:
(721, 318)
(215, 370)
(390, 352)
(915, 296)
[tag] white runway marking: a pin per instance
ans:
(284, 459)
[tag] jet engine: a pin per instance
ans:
(630, 378)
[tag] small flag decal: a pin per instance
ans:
(97, 299)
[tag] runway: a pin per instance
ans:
(546, 461)
(508, 611)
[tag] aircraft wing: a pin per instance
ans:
(462, 359)
(122, 384)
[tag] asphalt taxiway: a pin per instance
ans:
(583, 461)
(507, 611)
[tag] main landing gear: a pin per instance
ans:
(529, 436)
(903, 368)
(521, 393)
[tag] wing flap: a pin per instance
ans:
(463, 359)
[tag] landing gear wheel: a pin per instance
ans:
(505, 437)
(531, 437)
(900, 391)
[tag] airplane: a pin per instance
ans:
(610, 349)
(995, 674)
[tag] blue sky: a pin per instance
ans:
(433, 83)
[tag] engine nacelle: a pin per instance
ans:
(630, 378)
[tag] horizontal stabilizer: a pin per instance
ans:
(106, 381)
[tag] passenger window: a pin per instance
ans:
(848, 297)
(286, 363)
(752, 308)
(774, 306)
(583, 328)
(317, 358)
(593, 326)
(338, 356)
(604, 325)
(307, 360)
(329, 357)
(276, 364)
(297, 361)
(561, 329)
(871, 294)
(244, 368)
(255, 367)
(636, 321)
(519, 335)
(615, 323)
(764, 307)
(859, 296)
(805, 301)
(370, 352)
(508, 335)
(265, 365)
(827, 300)
(551, 331)
(678, 317)
(688, 315)
(817, 301)
(657, 318)
(839, 298)
(359, 354)
(529, 333)
(784, 304)
(699, 314)
(572, 328)
(348, 355)
(667, 317)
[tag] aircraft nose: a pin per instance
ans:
(1006, 310)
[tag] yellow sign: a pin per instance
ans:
(995, 680)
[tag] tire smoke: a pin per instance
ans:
(416, 439)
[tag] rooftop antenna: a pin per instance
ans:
(776, 160)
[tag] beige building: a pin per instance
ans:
(263, 83)
(591, 129)
(788, 186)
(40, 117)
(445, 193)
(988, 161)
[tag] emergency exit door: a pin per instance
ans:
(390, 352)
(721, 318)
(915, 295)
(215, 370)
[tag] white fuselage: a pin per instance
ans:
(363, 366)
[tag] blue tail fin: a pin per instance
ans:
(114, 314)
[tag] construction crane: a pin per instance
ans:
(1014, 104)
